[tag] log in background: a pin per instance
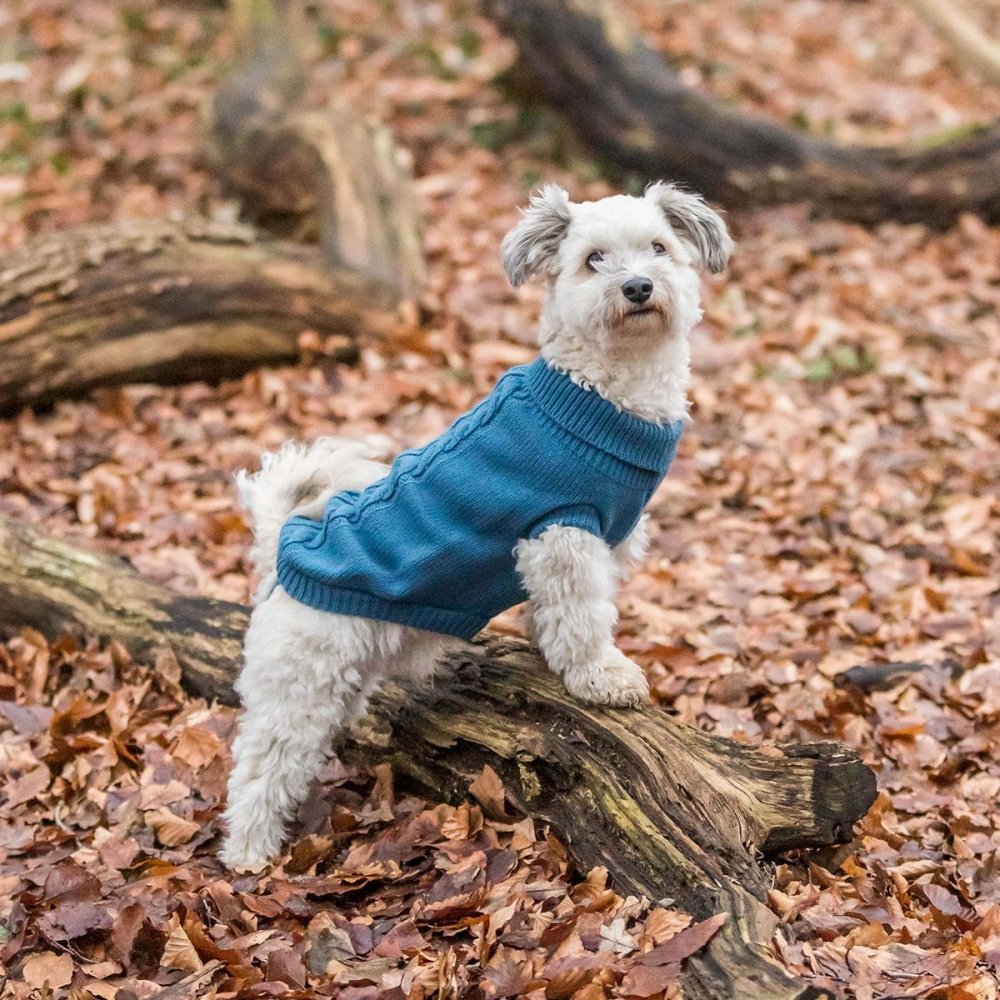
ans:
(166, 302)
(588, 62)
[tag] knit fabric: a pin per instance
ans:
(432, 545)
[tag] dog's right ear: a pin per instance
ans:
(530, 247)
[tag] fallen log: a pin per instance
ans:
(586, 60)
(672, 812)
(331, 176)
(166, 302)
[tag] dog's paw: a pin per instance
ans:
(617, 681)
(241, 852)
(242, 859)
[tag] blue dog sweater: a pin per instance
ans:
(432, 544)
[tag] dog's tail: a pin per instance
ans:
(299, 479)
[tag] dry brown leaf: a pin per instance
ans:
(487, 789)
(198, 746)
(47, 970)
(171, 830)
(649, 980)
(179, 952)
(684, 943)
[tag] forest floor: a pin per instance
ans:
(835, 502)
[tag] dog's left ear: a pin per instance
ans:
(696, 224)
(531, 246)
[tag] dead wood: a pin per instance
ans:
(168, 302)
(671, 812)
(165, 302)
(328, 176)
(586, 60)
(968, 40)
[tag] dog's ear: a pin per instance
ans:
(699, 226)
(530, 247)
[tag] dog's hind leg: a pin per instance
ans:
(279, 749)
(297, 697)
(571, 576)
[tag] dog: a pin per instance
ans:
(370, 571)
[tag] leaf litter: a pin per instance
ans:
(834, 506)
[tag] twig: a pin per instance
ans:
(876, 676)
(181, 987)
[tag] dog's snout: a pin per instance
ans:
(637, 289)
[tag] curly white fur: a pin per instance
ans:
(308, 674)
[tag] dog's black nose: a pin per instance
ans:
(637, 289)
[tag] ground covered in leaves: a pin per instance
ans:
(835, 503)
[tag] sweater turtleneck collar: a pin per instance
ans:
(589, 416)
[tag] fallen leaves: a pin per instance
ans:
(487, 789)
(684, 943)
(171, 830)
(178, 951)
(834, 505)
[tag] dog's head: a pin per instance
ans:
(622, 269)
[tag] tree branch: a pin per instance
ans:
(970, 42)
(331, 176)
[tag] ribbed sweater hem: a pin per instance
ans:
(326, 597)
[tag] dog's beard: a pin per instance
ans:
(651, 319)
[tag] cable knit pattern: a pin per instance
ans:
(431, 545)
(413, 463)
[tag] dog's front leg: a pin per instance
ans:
(571, 577)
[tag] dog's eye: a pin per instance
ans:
(659, 248)
(594, 259)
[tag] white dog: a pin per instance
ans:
(370, 572)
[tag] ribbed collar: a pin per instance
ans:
(588, 415)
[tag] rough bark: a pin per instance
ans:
(671, 811)
(165, 302)
(331, 176)
(586, 60)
